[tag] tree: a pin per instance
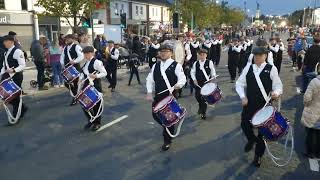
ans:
(69, 8)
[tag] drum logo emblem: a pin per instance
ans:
(275, 129)
(169, 115)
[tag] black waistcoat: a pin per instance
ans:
(255, 98)
(97, 81)
(112, 63)
(72, 52)
(275, 55)
(160, 84)
(201, 79)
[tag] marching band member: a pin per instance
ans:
(112, 65)
(213, 49)
(253, 98)
(72, 55)
(201, 72)
(261, 43)
(194, 48)
(153, 52)
(279, 54)
(13, 66)
(176, 78)
(274, 49)
(91, 66)
(207, 46)
(217, 52)
(233, 58)
(179, 54)
(243, 60)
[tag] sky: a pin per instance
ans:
(273, 7)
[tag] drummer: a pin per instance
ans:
(93, 65)
(201, 72)
(253, 99)
(175, 77)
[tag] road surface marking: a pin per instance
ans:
(112, 122)
(298, 90)
(314, 165)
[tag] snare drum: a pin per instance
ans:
(270, 123)
(89, 97)
(211, 93)
(169, 111)
(9, 90)
(70, 74)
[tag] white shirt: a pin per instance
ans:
(179, 52)
(207, 44)
(237, 49)
(275, 48)
(195, 44)
(78, 50)
(188, 51)
(282, 46)
(19, 56)
(155, 46)
(163, 66)
(194, 69)
(98, 66)
(116, 54)
(241, 83)
(244, 46)
(270, 58)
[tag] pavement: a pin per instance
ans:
(49, 142)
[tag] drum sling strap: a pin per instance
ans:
(289, 135)
(170, 89)
(11, 119)
(204, 72)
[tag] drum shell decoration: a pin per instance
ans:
(9, 90)
(89, 97)
(214, 97)
(70, 74)
(274, 127)
(171, 113)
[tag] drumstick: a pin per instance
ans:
(163, 91)
(212, 78)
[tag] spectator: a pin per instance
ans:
(137, 46)
(299, 47)
(55, 53)
(97, 43)
(38, 54)
(311, 117)
(61, 41)
(104, 42)
(134, 65)
(83, 41)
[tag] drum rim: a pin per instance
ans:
(262, 124)
(82, 92)
(11, 95)
(171, 99)
(211, 92)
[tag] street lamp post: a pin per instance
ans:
(303, 18)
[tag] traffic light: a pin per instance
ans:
(175, 18)
(86, 22)
(123, 20)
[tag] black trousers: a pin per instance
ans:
(40, 76)
(133, 71)
(202, 103)
(312, 142)
(299, 62)
(242, 63)
(167, 139)
(112, 77)
(73, 86)
(278, 63)
(247, 129)
(232, 67)
(17, 78)
(94, 112)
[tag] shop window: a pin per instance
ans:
(24, 5)
(141, 10)
(137, 10)
(2, 4)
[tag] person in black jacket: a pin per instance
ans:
(312, 58)
(133, 65)
(111, 65)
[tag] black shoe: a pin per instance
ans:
(248, 146)
(165, 147)
(23, 111)
(112, 89)
(87, 126)
(203, 116)
(199, 111)
(257, 161)
(95, 127)
(139, 83)
(129, 84)
(73, 102)
(109, 86)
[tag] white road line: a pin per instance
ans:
(314, 165)
(112, 122)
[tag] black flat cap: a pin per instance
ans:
(8, 38)
(165, 47)
(261, 42)
(111, 42)
(69, 36)
(260, 50)
(88, 49)
(12, 33)
(203, 51)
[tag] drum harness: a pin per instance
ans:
(11, 119)
(290, 129)
(101, 107)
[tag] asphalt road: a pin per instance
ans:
(49, 143)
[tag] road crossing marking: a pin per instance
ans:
(314, 164)
(112, 122)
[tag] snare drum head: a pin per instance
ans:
(262, 115)
(163, 103)
(208, 88)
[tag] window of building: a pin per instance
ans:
(2, 6)
(141, 10)
(24, 5)
(137, 10)
(156, 11)
(122, 7)
(152, 11)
